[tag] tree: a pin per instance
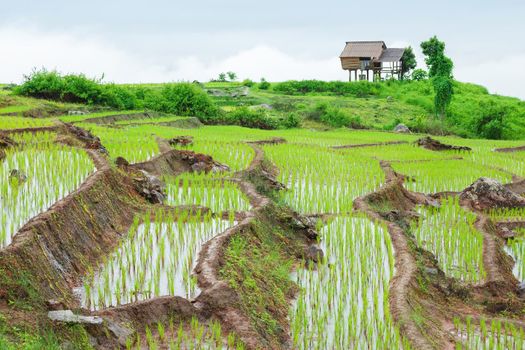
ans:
(232, 76)
(408, 61)
(419, 74)
(222, 76)
(440, 72)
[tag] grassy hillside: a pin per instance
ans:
(473, 113)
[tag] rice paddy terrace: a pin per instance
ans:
(159, 236)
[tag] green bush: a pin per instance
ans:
(264, 85)
(333, 116)
(252, 118)
(183, 99)
(358, 89)
(76, 88)
(248, 82)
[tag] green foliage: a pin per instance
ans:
(419, 74)
(222, 77)
(76, 88)
(440, 71)
(264, 85)
(333, 116)
(252, 118)
(183, 99)
(490, 123)
(248, 83)
(358, 89)
(232, 76)
(408, 61)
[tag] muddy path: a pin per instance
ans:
(510, 149)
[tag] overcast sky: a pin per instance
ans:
(170, 40)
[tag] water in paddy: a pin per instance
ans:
(516, 249)
(155, 260)
(448, 232)
(216, 196)
(343, 303)
(51, 175)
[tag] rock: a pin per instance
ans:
(521, 290)
(389, 99)
(121, 162)
(488, 193)
(431, 270)
(55, 305)
(69, 317)
(17, 175)
(314, 253)
(181, 140)
(120, 332)
(435, 145)
(150, 187)
(262, 106)
(402, 128)
(76, 113)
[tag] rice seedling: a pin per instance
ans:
(507, 214)
(189, 335)
(155, 259)
(135, 144)
(315, 187)
(343, 303)
(203, 190)
(449, 233)
(163, 119)
(446, 175)
(51, 172)
(8, 122)
(493, 335)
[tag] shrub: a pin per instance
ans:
(248, 83)
(419, 74)
(252, 118)
(264, 85)
(183, 99)
(358, 89)
(333, 116)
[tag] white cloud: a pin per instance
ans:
(24, 48)
(503, 77)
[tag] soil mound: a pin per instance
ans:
(435, 145)
(91, 141)
(5, 142)
(488, 193)
(181, 140)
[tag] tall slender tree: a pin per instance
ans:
(440, 72)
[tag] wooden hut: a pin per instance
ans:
(371, 56)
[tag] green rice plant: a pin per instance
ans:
(496, 335)
(203, 190)
(343, 303)
(135, 144)
(320, 180)
(80, 118)
(163, 119)
(448, 232)
(446, 175)
(52, 171)
(8, 122)
(155, 259)
(507, 214)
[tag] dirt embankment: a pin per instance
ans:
(510, 149)
(370, 144)
(110, 119)
(392, 204)
(423, 301)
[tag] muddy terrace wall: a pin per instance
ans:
(53, 250)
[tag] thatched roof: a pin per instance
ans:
(372, 49)
(391, 55)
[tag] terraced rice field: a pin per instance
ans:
(341, 239)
